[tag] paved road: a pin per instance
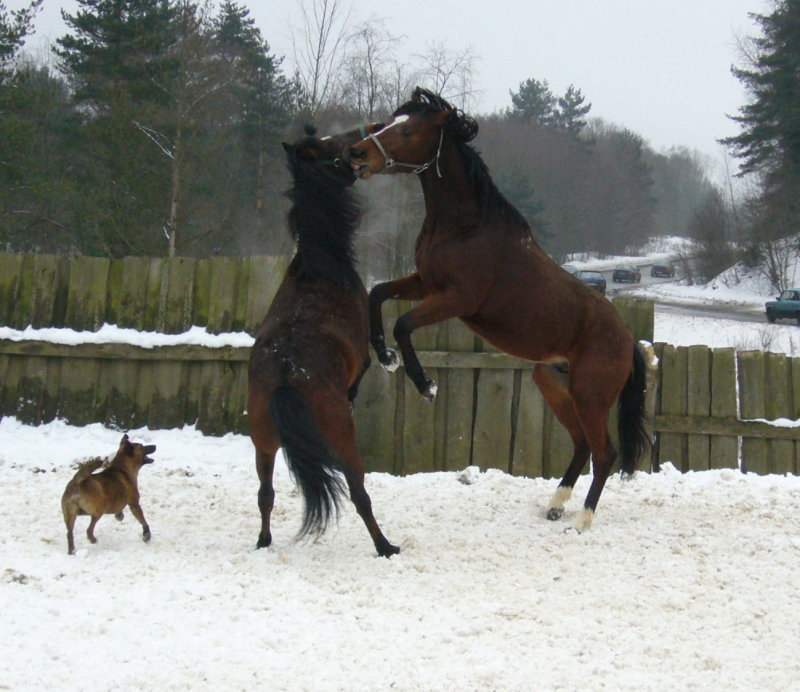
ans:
(717, 311)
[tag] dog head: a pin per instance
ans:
(134, 452)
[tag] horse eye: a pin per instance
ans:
(406, 132)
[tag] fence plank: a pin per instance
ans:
(699, 404)
(752, 404)
(458, 401)
(223, 294)
(169, 393)
(779, 404)
(491, 438)
(10, 276)
(86, 302)
(724, 450)
(673, 401)
(265, 275)
(176, 296)
(77, 403)
(31, 390)
(638, 316)
(528, 455)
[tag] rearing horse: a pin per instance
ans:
(477, 260)
(312, 349)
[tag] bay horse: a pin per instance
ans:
(476, 260)
(312, 349)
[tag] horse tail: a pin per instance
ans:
(315, 470)
(634, 440)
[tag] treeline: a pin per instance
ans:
(156, 130)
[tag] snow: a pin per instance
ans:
(685, 581)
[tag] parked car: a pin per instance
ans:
(626, 274)
(785, 307)
(663, 270)
(593, 280)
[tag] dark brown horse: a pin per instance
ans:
(477, 260)
(312, 349)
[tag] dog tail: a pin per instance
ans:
(314, 468)
(87, 468)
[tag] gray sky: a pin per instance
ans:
(660, 68)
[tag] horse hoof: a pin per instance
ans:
(119, 516)
(263, 542)
(429, 392)
(146, 536)
(388, 550)
(389, 360)
(555, 513)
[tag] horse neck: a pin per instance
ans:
(450, 194)
(322, 221)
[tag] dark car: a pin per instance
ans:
(785, 307)
(663, 270)
(592, 279)
(626, 274)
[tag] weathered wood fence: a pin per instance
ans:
(487, 411)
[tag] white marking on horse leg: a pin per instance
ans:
(560, 497)
(583, 520)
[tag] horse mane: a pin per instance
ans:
(322, 219)
(462, 129)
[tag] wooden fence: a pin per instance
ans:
(487, 412)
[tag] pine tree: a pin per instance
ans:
(534, 102)
(13, 31)
(769, 143)
(571, 111)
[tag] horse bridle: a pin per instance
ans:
(339, 162)
(389, 162)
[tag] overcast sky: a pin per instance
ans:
(660, 68)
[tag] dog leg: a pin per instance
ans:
(90, 530)
(69, 520)
(136, 510)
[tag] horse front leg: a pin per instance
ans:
(434, 309)
(406, 288)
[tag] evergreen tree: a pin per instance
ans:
(769, 143)
(13, 30)
(572, 110)
(117, 61)
(534, 102)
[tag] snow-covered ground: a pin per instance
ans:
(685, 581)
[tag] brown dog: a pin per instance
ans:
(106, 492)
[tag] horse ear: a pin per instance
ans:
(287, 147)
(416, 94)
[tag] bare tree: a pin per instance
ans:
(366, 83)
(195, 81)
(450, 73)
(317, 48)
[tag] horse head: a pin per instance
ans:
(411, 141)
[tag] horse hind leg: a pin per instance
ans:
(562, 406)
(595, 424)
(353, 467)
(265, 466)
